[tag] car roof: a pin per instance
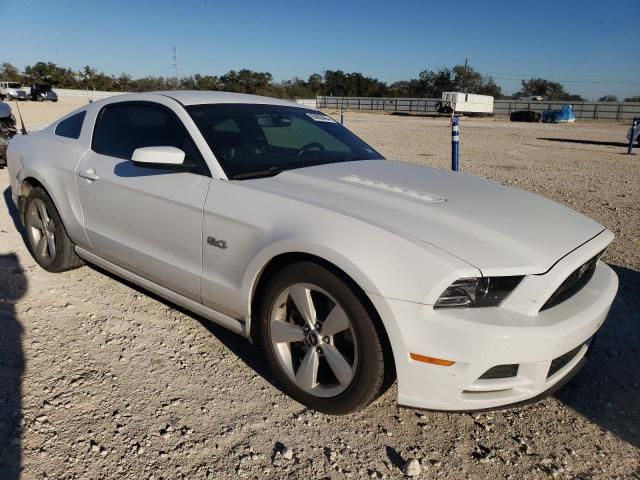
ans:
(200, 97)
(184, 97)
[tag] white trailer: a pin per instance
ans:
(466, 103)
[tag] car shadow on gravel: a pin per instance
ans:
(585, 142)
(607, 390)
(13, 211)
(13, 286)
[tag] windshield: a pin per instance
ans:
(253, 141)
(13, 85)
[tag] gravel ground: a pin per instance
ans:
(101, 380)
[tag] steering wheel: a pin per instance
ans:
(310, 146)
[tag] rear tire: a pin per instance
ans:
(46, 236)
(332, 359)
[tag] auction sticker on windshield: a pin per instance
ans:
(318, 117)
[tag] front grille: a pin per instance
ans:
(501, 371)
(573, 284)
(561, 361)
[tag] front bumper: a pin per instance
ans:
(544, 347)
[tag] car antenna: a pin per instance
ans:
(22, 129)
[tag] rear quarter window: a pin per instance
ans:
(72, 126)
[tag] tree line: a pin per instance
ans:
(428, 84)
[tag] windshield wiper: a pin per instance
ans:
(270, 172)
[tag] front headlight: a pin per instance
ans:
(477, 292)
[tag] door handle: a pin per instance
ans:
(89, 174)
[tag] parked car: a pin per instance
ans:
(12, 91)
(7, 131)
(532, 98)
(524, 116)
(41, 92)
(345, 269)
(564, 115)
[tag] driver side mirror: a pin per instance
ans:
(158, 157)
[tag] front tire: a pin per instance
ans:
(46, 236)
(319, 339)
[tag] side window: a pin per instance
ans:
(122, 128)
(71, 127)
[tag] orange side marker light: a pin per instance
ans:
(435, 361)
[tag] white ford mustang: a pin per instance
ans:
(345, 269)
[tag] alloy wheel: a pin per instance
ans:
(42, 230)
(313, 340)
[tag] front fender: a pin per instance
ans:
(258, 226)
(382, 264)
(299, 246)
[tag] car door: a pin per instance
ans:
(145, 219)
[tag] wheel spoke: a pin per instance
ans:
(42, 210)
(51, 242)
(41, 247)
(336, 322)
(35, 220)
(301, 297)
(284, 332)
(300, 340)
(307, 374)
(338, 364)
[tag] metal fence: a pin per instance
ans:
(583, 110)
(93, 94)
(307, 102)
(424, 105)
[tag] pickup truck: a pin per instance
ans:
(12, 91)
(41, 92)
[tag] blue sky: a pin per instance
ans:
(391, 40)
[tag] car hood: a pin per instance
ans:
(498, 229)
